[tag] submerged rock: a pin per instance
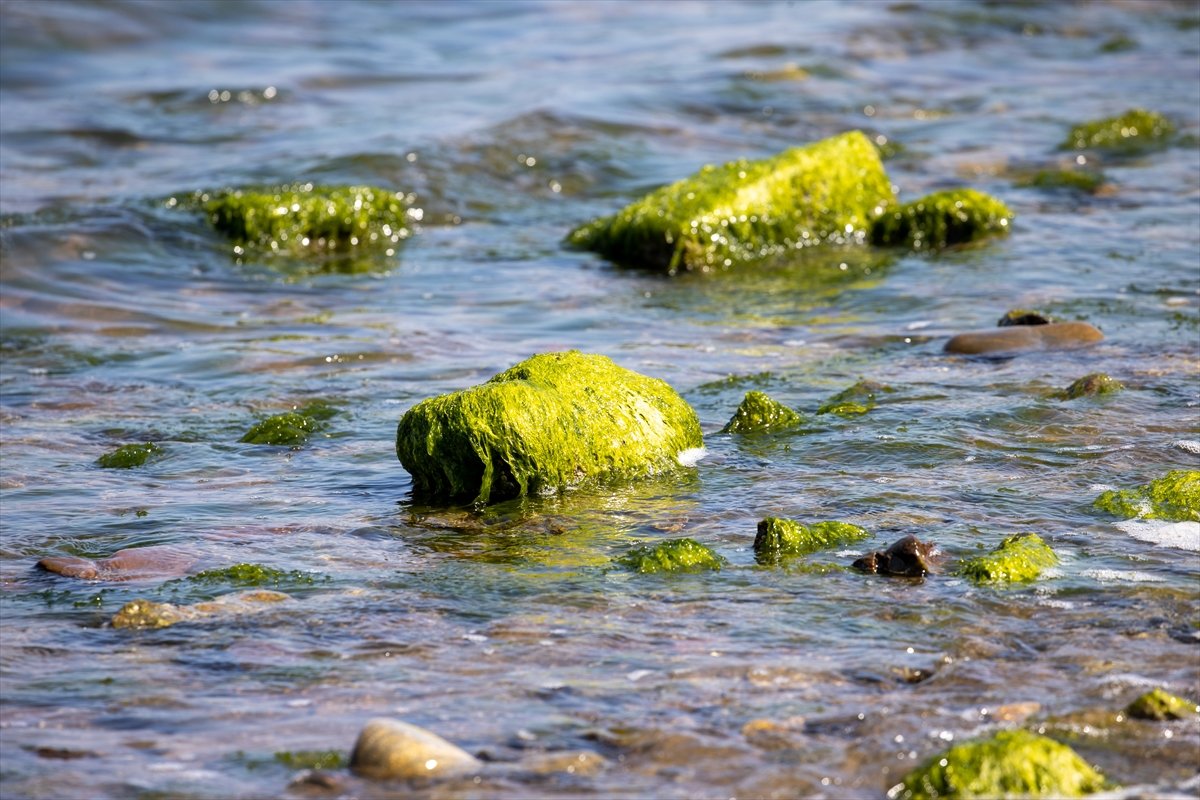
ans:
(907, 558)
(778, 538)
(124, 565)
(1010, 764)
(1078, 180)
(1161, 705)
(391, 749)
(1024, 338)
(673, 555)
(149, 614)
(1137, 130)
(290, 429)
(758, 413)
(826, 192)
(550, 423)
(1021, 557)
(1093, 384)
(858, 399)
(128, 456)
(1175, 496)
(942, 219)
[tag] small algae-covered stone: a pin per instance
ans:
(391, 749)
(778, 538)
(1161, 705)
(1025, 338)
(1137, 130)
(1023, 316)
(1010, 764)
(550, 423)
(1175, 496)
(908, 557)
(942, 219)
(1070, 179)
(130, 455)
(758, 413)
(252, 575)
(1018, 558)
(826, 192)
(1093, 384)
(148, 614)
(673, 555)
(858, 399)
(291, 429)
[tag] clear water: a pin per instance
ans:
(124, 320)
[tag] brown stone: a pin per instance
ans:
(1025, 338)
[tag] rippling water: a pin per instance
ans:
(126, 320)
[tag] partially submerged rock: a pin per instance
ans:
(149, 614)
(391, 749)
(826, 192)
(290, 429)
(1025, 338)
(858, 399)
(550, 423)
(1160, 705)
(1017, 558)
(1093, 384)
(130, 455)
(1023, 316)
(778, 537)
(124, 565)
(908, 557)
(1137, 130)
(1010, 764)
(942, 219)
(758, 413)
(1077, 180)
(1175, 496)
(672, 555)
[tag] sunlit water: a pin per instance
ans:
(125, 320)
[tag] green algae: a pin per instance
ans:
(673, 555)
(1018, 558)
(1160, 705)
(290, 428)
(942, 219)
(826, 192)
(551, 423)
(758, 413)
(1011, 764)
(129, 456)
(251, 575)
(1174, 497)
(1077, 180)
(779, 538)
(856, 400)
(311, 759)
(1135, 131)
(148, 614)
(1096, 383)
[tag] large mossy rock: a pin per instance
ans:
(550, 423)
(1175, 496)
(826, 192)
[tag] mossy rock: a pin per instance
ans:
(673, 555)
(251, 575)
(1094, 384)
(1135, 131)
(1018, 558)
(291, 429)
(1175, 497)
(1160, 705)
(758, 413)
(551, 423)
(779, 538)
(129, 456)
(1076, 180)
(856, 400)
(1010, 764)
(942, 219)
(826, 192)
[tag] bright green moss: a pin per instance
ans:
(550, 423)
(1018, 558)
(1093, 384)
(826, 192)
(759, 413)
(1135, 131)
(251, 575)
(858, 399)
(311, 759)
(291, 429)
(942, 219)
(130, 455)
(1011, 764)
(1161, 706)
(1175, 496)
(1073, 179)
(778, 538)
(673, 555)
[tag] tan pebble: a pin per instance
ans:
(389, 748)
(1016, 712)
(1020, 338)
(584, 763)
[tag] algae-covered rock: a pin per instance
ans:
(252, 575)
(778, 538)
(1010, 764)
(758, 413)
(149, 614)
(1023, 316)
(826, 192)
(550, 423)
(1161, 705)
(1093, 384)
(391, 749)
(1017, 558)
(858, 399)
(291, 429)
(1175, 496)
(942, 219)
(1025, 338)
(673, 555)
(1137, 130)
(1076, 180)
(129, 456)
(908, 557)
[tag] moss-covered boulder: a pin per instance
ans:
(550, 423)
(826, 192)
(1008, 765)
(129, 456)
(1175, 496)
(1160, 705)
(858, 399)
(1091, 385)
(779, 538)
(1018, 558)
(758, 413)
(942, 219)
(673, 555)
(1135, 131)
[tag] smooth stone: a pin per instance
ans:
(583, 763)
(388, 748)
(1022, 338)
(124, 565)
(907, 558)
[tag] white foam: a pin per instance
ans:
(1161, 533)
(691, 456)
(1126, 576)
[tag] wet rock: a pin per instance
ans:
(778, 538)
(769, 734)
(673, 555)
(858, 399)
(1017, 558)
(1023, 316)
(1094, 384)
(317, 782)
(1025, 338)
(758, 413)
(134, 563)
(1076, 180)
(1135, 131)
(1160, 705)
(583, 763)
(129, 456)
(907, 558)
(292, 428)
(1016, 712)
(149, 614)
(1175, 496)
(391, 749)
(942, 219)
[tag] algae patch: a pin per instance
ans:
(758, 413)
(778, 537)
(1135, 131)
(129, 456)
(856, 400)
(673, 555)
(1160, 705)
(1174, 497)
(1018, 558)
(1096, 383)
(942, 219)
(292, 428)
(251, 575)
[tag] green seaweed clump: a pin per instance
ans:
(1093, 384)
(291, 428)
(673, 555)
(311, 759)
(825, 192)
(758, 413)
(1078, 180)
(1160, 705)
(128, 456)
(778, 537)
(1018, 558)
(942, 219)
(251, 575)
(1135, 131)
(1175, 497)
(1010, 764)
(550, 423)
(858, 399)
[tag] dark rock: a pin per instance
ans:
(907, 558)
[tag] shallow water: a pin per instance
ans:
(125, 320)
